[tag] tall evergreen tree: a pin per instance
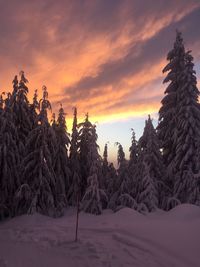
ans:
(167, 126)
(187, 157)
(133, 149)
(45, 107)
(74, 190)
(61, 160)
(105, 155)
(21, 110)
(133, 164)
(38, 173)
(9, 160)
(34, 108)
(13, 95)
(105, 168)
(85, 134)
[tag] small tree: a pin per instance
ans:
(92, 200)
(151, 168)
(121, 195)
(94, 197)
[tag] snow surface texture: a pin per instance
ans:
(124, 238)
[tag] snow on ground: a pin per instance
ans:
(125, 238)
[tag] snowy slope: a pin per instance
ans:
(125, 238)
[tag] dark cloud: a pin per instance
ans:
(145, 95)
(150, 52)
(24, 24)
(35, 32)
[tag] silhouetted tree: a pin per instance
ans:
(151, 170)
(34, 109)
(85, 133)
(38, 173)
(187, 158)
(94, 197)
(133, 164)
(167, 126)
(105, 169)
(21, 111)
(121, 196)
(9, 160)
(61, 160)
(75, 187)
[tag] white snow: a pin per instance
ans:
(125, 238)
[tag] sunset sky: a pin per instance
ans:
(103, 56)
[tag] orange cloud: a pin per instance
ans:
(104, 58)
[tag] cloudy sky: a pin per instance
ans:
(103, 56)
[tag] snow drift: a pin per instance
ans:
(124, 238)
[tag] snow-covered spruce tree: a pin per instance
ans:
(13, 95)
(112, 178)
(74, 190)
(121, 196)
(133, 149)
(21, 111)
(187, 159)
(167, 126)
(9, 160)
(34, 109)
(105, 168)
(133, 164)
(151, 168)
(123, 178)
(85, 134)
(44, 107)
(61, 160)
(105, 157)
(109, 175)
(94, 197)
(1, 103)
(38, 192)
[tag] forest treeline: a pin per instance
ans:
(45, 169)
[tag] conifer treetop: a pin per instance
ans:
(44, 105)
(35, 100)
(120, 154)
